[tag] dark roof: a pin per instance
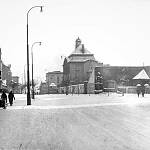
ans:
(120, 72)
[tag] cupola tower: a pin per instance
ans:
(78, 42)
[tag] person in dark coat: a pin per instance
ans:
(143, 90)
(138, 91)
(11, 97)
(4, 98)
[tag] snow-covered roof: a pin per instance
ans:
(80, 50)
(142, 75)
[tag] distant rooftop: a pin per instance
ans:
(80, 50)
(141, 75)
(80, 53)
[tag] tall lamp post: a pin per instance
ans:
(28, 74)
(32, 67)
(25, 77)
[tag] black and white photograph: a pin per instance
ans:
(75, 75)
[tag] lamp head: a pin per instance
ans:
(40, 43)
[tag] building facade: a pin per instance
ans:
(122, 78)
(54, 78)
(122, 75)
(6, 74)
(78, 66)
(16, 87)
(15, 79)
(53, 81)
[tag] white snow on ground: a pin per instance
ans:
(83, 101)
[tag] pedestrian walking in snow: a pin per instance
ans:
(143, 90)
(4, 99)
(11, 97)
(4, 96)
(138, 89)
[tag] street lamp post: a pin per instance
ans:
(28, 74)
(25, 77)
(32, 67)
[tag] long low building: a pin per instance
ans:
(122, 75)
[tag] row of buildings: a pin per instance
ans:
(7, 81)
(81, 68)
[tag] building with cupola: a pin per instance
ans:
(78, 66)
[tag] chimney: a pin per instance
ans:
(83, 50)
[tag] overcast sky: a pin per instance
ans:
(117, 32)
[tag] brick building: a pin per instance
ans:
(122, 78)
(53, 81)
(122, 75)
(15, 79)
(78, 66)
(6, 74)
(54, 78)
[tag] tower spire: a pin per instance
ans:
(78, 42)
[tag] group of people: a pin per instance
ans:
(141, 89)
(11, 97)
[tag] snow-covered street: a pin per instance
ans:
(60, 122)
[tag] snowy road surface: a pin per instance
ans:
(60, 122)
